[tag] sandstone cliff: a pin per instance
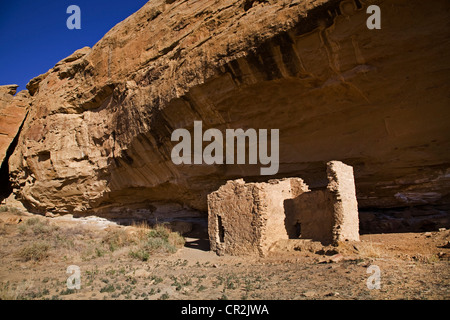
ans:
(13, 110)
(97, 136)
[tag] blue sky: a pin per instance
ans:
(34, 35)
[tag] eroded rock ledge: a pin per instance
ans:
(97, 137)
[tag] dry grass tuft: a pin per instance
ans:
(37, 227)
(37, 251)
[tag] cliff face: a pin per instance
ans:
(13, 109)
(97, 136)
(12, 113)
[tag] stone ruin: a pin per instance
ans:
(249, 218)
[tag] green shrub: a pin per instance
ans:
(159, 231)
(67, 292)
(99, 252)
(164, 296)
(158, 239)
(159, 245)
(108, 288)
(140, 254)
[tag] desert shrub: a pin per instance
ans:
(162, 239)
(144, 240)
(160, 245)
(99, 252)
(164, 296)
(140, 231)
(67, 291)
(108, 288)
(176, 239)
(37, 226)
(36, 251)
(21, 291)
(140, 254)
(118, 239)
(158, 239)
(159, 231)
(6, 293)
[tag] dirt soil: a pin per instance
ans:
(34, 257)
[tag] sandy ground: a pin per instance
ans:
(411, 265)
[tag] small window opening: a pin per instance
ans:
(298, 229)
(221, 229)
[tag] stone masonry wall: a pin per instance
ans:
(249, 218)
(341, 187)
(313, 212)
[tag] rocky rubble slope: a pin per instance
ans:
(97, 135)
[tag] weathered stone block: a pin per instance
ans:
(341, 187)
(249, 218)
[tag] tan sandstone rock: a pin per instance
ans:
(13, 110)
(97, 136)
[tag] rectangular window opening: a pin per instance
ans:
(221, 229)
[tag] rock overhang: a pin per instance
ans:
(310, 69)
